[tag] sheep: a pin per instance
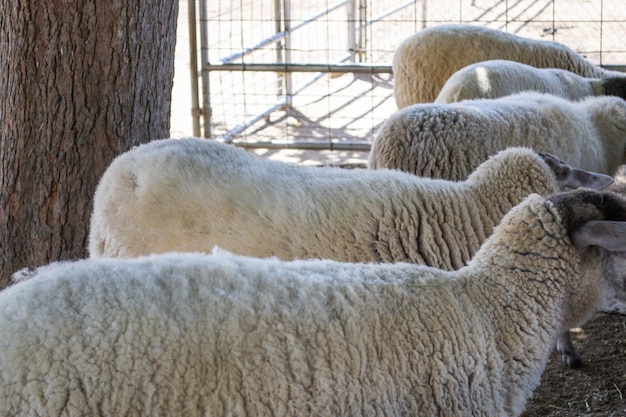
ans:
(194, 194)
(497, 78)
(450, 140)
(424, 61)
(222, 334)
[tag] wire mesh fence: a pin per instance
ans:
(316, 74)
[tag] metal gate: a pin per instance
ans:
(309, 74)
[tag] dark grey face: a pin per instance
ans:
(581, 206)
(571, 178)
(596, 221)
(616, 266)
(614, 86)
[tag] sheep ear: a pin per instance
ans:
(610, 235)
(580, 178)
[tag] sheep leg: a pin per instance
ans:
(570, 355)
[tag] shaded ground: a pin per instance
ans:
(599, 387)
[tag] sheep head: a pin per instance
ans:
(568, 177)
(597, 227)
(609, 239)
(614, 86)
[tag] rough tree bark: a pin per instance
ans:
(84, 81)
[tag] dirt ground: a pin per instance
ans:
(598, 388)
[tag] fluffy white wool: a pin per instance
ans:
(221, 335)
(194, 194)
(424, 61)
(498, 78)
(450, 140)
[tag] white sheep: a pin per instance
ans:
(450, 140)
(224, 335)
(497, 78)
(423, 62)
(194, 194)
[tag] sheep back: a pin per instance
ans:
(188, 334)
(451, 140)
(194, 194)
(498, 78)
(424, 61)
(177, 193)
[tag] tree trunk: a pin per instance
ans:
(84, 81)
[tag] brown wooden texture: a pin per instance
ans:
(85, 81)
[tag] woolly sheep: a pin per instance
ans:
(194, 194)
(222, 335)
(450, 140)
(498, 78)
(423, 62)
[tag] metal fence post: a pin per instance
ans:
(204, 57)
(288, 49)
(351, 17)
(280, 47)
(196, 111)
(362, 25)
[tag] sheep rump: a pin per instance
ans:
(424, 61)
(223, 335)
(450, 140)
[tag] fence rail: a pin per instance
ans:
(345, 37)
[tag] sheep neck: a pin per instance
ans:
(520, 280)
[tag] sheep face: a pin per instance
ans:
(605, 242)
(615, 288)
(571, 178)
(614, 86)
(597, 224)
